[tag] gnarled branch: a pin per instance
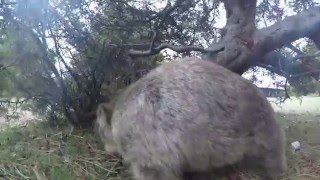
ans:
(288, 30)
(285, 66)
(179, 49)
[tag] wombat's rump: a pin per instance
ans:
(194, 116)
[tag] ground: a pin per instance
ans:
(33, 151)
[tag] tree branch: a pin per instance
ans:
(74, 30)
(7, 101)
(179, 49)
(69, 69)
(316, 39)
(3, 67)
(286, 66)
(268, 39)
(66, 98)
(288, 30)
(304, 56)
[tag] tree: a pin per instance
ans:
(79, 49)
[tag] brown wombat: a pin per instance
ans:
(192, 116)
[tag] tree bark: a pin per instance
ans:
(238, 31)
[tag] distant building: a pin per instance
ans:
(273, 92)
(274, 89)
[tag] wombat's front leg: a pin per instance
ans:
(154, 173)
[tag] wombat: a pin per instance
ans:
(192, 116)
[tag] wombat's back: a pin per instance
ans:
(194, 115)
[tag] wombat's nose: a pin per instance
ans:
(114, 155)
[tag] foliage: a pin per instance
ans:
(63, 73)
(68, 56)
(305, 85)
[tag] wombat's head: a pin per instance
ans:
(103, 127)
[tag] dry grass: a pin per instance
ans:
(35, 152)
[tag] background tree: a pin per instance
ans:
(63, 54)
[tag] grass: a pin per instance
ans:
(305, 105)
(35, 152)
(304, 164)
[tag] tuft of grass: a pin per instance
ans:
(35, 152)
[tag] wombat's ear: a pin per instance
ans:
(105, 111)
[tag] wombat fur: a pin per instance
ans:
(192, 116)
